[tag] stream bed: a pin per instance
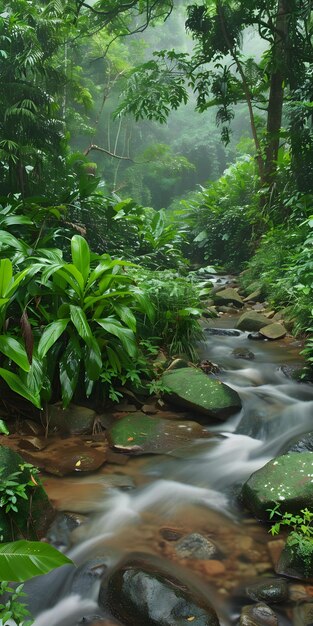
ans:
(149, 503)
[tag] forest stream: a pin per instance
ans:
(149, 504)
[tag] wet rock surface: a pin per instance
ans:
(73, 420)
(227, 296)
(271, 591)
(190, 388)
(143, 434)
(195, 546)
(273, 331)
(258, 615)
(144, 592)
(286, 479)
(243, 353)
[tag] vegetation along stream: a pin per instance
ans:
(156, 320)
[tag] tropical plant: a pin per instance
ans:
(300, 537)
(177, 305)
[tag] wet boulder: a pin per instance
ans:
(258, 615)
(270, 590)
(302, 444)
(191, 389)
(251, 321)
(144, 591)
(228, 296)
(142, 434)
(286, 479)
(74, 420)
(243, 353)
(273, 331)
(35, 512)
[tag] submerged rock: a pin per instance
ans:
(251, 321)
(190, 388)
(243, 353)
(195, 546)
(228, 332)
(287, 479)
(258, 615)
(143, 591)
(143, 434)
(303, 444)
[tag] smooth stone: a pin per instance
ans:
(303, 444)
(258, 615)
(170, 597)
(270, 590)
(251, 321)
(286, 479)
(35, 513)
(254, 296)
(228, 332)
(190, 388)
(195, 546)
(243, 353)
(59, 533)
(74, 420)
(65, 456)
(227, 296)
(144, 434)
(273, 331)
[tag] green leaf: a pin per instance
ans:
(6, 276)
(158, 224)
(3, 428)
(69, 370)
(50, 335)
(126, 315)
(79, 320)
(81, 255)
(21, 560)
(14, 351)
(17, 385)
(93, 360)
(125, 335)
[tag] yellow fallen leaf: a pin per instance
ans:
(191, 618)
(130, 439)
(78, 463)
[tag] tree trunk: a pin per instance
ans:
(276, 94)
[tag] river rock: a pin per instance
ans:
(144, 591)
(195, 546)
(190, 388)
(273, 331)
(59, 533)
(254, 296)
(270, 590)
(228, 296)
(74, 420)
(68, 455)
(258, 615)
(286, 479)
(296, 559)
(243, 353)
(34, 513)
(304, 444)
(251, 321)
(144, 434)
(228, 332)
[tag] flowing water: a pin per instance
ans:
(193, 489)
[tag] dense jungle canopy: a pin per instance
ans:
(141, 137)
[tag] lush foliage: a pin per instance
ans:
(224, 217)
(300, 537)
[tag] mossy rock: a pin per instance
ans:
(287, 479)
(191, 389)
(227, 296)
(34, 514)
(251, 321)
(142, 434)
